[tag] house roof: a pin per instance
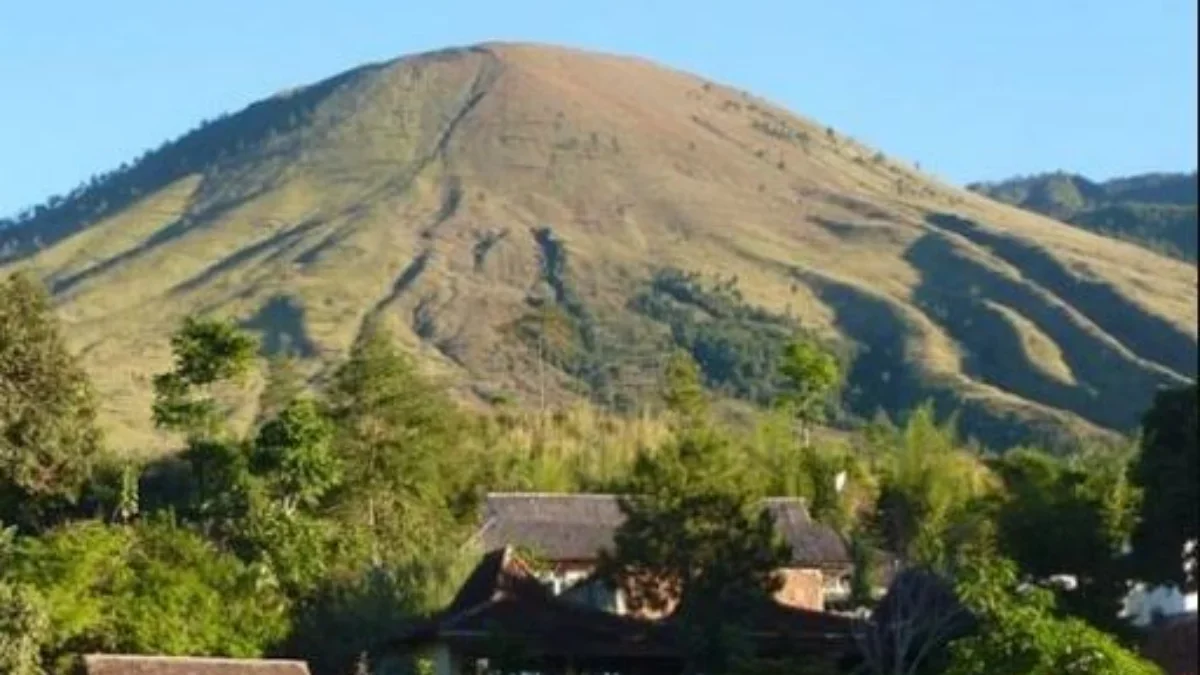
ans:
(1171, 645)
(119, 664)
(577, 527)
(502, 599)
(501, 596)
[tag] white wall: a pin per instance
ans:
(1143, 603)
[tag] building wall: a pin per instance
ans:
(1142, 603)
(803, 589)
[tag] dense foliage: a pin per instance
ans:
(697, 542)
(738, 347)
(344, 511)
(49, 436)
(1166, 471)
(1021, 635)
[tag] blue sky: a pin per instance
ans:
(972, 89)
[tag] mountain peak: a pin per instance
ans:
(505, 203)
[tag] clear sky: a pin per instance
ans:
(973, 89)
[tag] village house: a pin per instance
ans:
(567, 532)
(505, 616)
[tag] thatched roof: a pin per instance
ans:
(119, 664)
(576, 527)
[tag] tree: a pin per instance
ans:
(910, 629)
(696, 541)
(285, 383)
(1166, 471)
(23, 630)
(207, 352)
(294, 470)
(685, 395)
(1020, 634)
(812, 377)
(217, 487)
(150, 588)
(400, 444)
(48, 432)
(934, 493)
(294, 453)
(865, 573)
(1057, 518)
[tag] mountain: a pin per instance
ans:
(1156, 210)
(540, 223)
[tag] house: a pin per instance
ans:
(503, 612)
(567, 532)
(120, 664)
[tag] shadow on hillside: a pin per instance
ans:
(280, 322)
(281, 241)
(165, 235)
(200, 150)
(1112, 390)
(1144, 334)
(884, 377)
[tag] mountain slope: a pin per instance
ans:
(1156, 210)
(503, 203)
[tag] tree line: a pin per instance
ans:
(341, 514)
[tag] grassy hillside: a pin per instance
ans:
(541, 224)
(1156, 210)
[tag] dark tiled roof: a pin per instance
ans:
(578, 526)
(811, 542)
(113, 664)
(502, 594)
(500, 574)
(501, 597)
(1172, 645)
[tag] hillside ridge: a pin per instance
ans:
(1157, 210)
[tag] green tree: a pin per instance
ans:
(933, 492)
(864, 577)
(218, 487)
(207, 352)
(684, 393)
(399, 441)
(295, 454)
(285, 383)
(1020, 634)
(298, 549)
(150, 588)
(1166, 471)
(1057, 518)
(48, 433)
(812, 378)
(23, 630)
(348, 614)
(696, 540)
